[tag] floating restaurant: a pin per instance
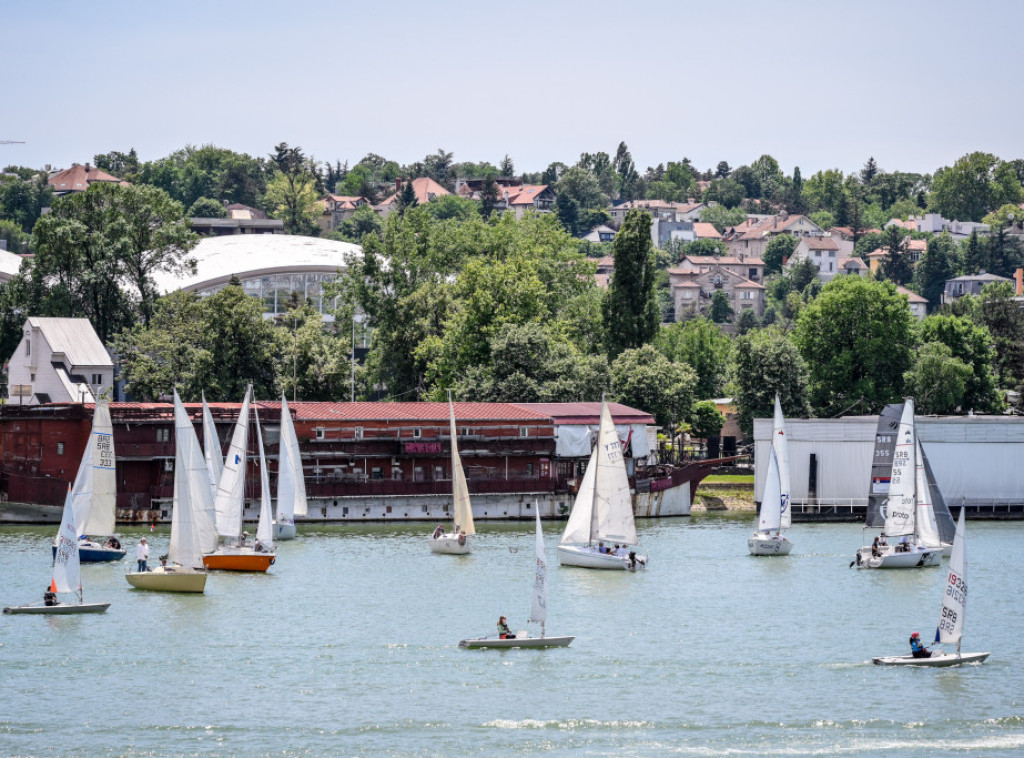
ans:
(362, 461)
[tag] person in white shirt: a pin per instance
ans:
(142, 554)
(622, 552)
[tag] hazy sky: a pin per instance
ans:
(815, 84)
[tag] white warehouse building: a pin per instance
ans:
(977, 460)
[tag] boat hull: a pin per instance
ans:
(529, 642)
(582, 556)
(451, 544)
(244, 559)
(918, 557)
(938, 660)
(90, 552)
(168, 580)
(761, 544)
(61, 609)
(284, 531)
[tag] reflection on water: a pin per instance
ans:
(348, 646)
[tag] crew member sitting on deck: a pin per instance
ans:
(50, 597)
(917, 649)
(439, 531)
(504, 632)
(875, 549)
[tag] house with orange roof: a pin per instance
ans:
(910, 247)
(338, 208)
(425, 189)
(79, 178)
(918, 305)
(823, 252)
(752, 238)
(745, 266)
(528, 197)
(706, 231)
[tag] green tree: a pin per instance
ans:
(313, 362)
(939, 263)
(700, 344)
(726, 192)
(767, 363)
(22, 199)
(937, 380)
(975, 185)
(407, 197)
(207, 207)
(721, 311)
(629, 178)
(779, 249)
(644, 378)
(489, 197)
(630, 309)
(364, 220)
(11, 233)
(582, 186)
(747, 321)
(722, 218)
(706, 420)
(972, 344)
(121, 165)
(95, 247)
(856, 338)
(208, 171)
(896, 266)
(769, 175)
(292, 192)
(975, 253)
(825, 191)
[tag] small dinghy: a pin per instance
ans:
(538, 612)
(951, 619)
(458, 542)
(775, 513)
(67, 574)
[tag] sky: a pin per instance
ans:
(817, 85)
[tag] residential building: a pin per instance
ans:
(59, 360)
(663, 210)
(693, 288)
(823, 252)
(600, 233)
(425, 189)
(918, 304)
(512, 194)
(746, 267)
(338, 208)
(970, 284)
(241, 219)
(933, 223)
(79, 178)
(912, 248)
(752, 236)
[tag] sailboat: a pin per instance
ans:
(94, 492)
(265, 525)
(192, 517)
(775, 512)
(951, 617)
(234, 554)
(603, 511)
(538, 611)
(67, 573)
(291, 481)
(211, 448)
(906, 487)
(458, 541)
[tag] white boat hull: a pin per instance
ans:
(761, 544)
(61, 609)
(584, 557)
(284, 531)
(534, 642)
(938, 660)
(916, 557)
(451, 544)
(168, 579)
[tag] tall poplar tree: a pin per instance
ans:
(630, 309)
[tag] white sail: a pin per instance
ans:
(539, 609)
(899, 511)
(954, 598)
(460, 490)
(770, 517)
(211, 448)
(67, 572)
(927, 528)
(265, 526)
(781, 448)
(231, 485)
(581, 527)
(193, 531)
(291, 483)
(94, 493)
(612, 500)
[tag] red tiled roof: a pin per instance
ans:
(425, 190)
(526, 194)
(725, 260)
(79, 177)
(587, 413)
(820, 243)
(912, 297)
(706, 231)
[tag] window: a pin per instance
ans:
(97, 379)
(376, 473)
(168, 464)
(319, 432)
(524, 431)
(438, 473)
(28, 344)
(687, 295)
(60, 448)
(396, 474)
(416, 433)
(529, 469)
(31, 377)
(417, 474)
(752, 274)
(359, 432)
(163, 435)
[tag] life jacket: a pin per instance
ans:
(915, 645)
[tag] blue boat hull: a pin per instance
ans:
(95, 554)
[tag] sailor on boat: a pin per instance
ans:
(917, 649)
(504, 632)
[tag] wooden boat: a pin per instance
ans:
(951, 617)
(775, 514)
(192, 518)
(459, 540)
(538, 611)
(234, 554)
(67, 574)
(603, 511)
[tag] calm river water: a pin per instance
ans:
(349, 647)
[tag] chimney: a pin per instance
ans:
(1018, 280)
(87, 167)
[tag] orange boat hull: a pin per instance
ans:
(253, 562)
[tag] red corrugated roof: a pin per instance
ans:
(589, 413)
